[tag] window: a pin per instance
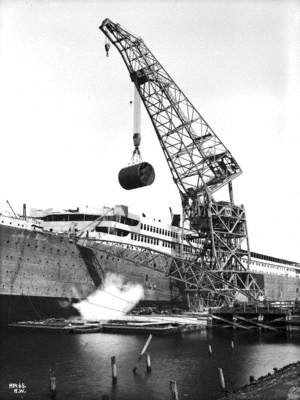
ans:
(112, 231)
(90, 217)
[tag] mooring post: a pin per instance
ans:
(222, 380)
(148, 362)
(113, 369)
(260, 319)
(234, 319)
(52, 379)
(288, 318)
(232, 345)
(142, 352)
(174, 390)
(209, 350)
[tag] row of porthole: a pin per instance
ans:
(107, 256)
(14, 225)
(39, 261)
(28, 245)
(43, 248)
(50, 277)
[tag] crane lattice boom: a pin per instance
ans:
(200, 165)
(198, 160)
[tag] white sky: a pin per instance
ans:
(66, 121)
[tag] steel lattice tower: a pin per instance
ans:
(200, 165)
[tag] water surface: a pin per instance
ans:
(83, 363)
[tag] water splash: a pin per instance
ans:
(111, 301)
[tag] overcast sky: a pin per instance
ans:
(66, 120)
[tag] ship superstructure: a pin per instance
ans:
(118, 226)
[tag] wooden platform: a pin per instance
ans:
(128, 325)
(58, 325)
(271, 318)
(147, 327)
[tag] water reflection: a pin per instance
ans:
(83, 363)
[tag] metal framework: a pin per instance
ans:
(183, 273)
(200, 165)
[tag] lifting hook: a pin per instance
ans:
(107, 47)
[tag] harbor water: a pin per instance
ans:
(82, 363)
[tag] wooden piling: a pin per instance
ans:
(142, 353)
(259, 324)
(232, 345)
(148, 362)
(209, 350)
(146, 345)
(260, 319)
(234, 319)
(113, 369)
(174, 390)
(222, 380)
(232, 323)
(251, 379)
(52, 379)
(288, 318)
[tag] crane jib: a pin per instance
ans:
(200, 165)
(188, 142)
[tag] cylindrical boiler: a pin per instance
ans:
(136, 176)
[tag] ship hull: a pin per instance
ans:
(20, 308)
(281, 288)
(42, 274)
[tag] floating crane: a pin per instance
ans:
(200, 165)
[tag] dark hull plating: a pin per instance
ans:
(20, 308)
(42, 273)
